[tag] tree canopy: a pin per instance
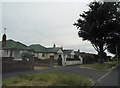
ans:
(99, 24)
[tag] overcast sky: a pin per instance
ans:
(45, 23)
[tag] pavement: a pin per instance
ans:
(93, 74)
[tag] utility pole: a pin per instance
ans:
(4, 30)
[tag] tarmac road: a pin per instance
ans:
(93, 74)
(112, 79)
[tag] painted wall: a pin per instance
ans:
(47, 55)
(16, 54)
(71, 55)
(1, 53)
(7, 53)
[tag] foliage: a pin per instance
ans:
(99, 24)
(48, 79)
(89, 58)
(114, 46)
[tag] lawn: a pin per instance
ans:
(48, 79)
(106, 65)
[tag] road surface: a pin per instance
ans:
(111, 79)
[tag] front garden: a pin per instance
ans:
(48, 79)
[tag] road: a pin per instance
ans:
(111, 79)
(93, 74)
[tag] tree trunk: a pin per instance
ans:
(101, 57)
(101, 54)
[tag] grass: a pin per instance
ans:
(48, 79)
(106, 65)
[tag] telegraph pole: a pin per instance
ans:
(4, 30)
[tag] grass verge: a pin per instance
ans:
(48, 79)
(104, 66)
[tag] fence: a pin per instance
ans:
(45, 62)
(10, 65)
(73, 61)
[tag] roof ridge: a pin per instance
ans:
(37, 45)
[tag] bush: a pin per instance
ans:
(87, 59)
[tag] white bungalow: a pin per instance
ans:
(42, 52)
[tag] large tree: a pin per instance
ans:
(99, 24)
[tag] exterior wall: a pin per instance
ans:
(72, 62)
(81, 59)
(47, 55)
(1, 51)
(60, 51)
(72, 54)
(35, 54)
(7, 53)
(16, 54)
(38, 55)
(56, 56)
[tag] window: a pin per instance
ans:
(43, 55)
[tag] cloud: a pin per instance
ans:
(45, 23)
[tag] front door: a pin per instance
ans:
(60, 60)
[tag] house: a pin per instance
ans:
(15, 50)
(15, 56)
(42, 52)
(72, 57)
(78, 56)
(68, 54)
(38, 51)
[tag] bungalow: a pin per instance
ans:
(42, 52)
(78, 56)
(12, 51)
(15, 50)
(71, 57)
(68, 54)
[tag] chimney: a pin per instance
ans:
(4, 41)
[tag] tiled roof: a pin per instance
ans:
(52, 50)
(11, 44)
(37, 47)
(68, 52)
(42, 49)
(77, 53)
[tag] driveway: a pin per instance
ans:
(93, 74)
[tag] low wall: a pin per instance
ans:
(73, 62)
(45, 62)
(10, 65)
